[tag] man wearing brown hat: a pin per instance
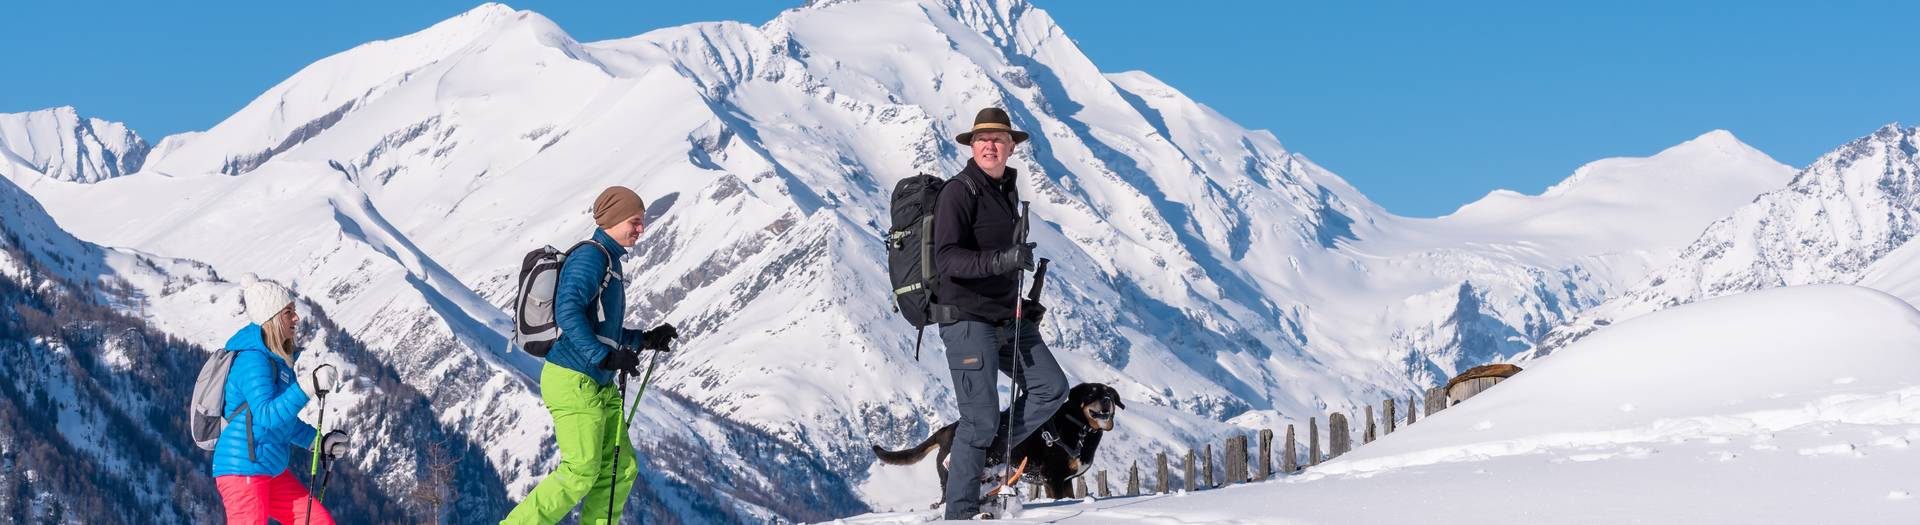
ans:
(978, 248)
(575, 383)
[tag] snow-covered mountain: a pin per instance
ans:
(1209, 273)
(1846, 219)
(56, 143)
(1506, 269)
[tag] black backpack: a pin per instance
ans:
(910, 252)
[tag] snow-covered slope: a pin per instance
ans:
(1641, 423)
(1200, 267)
(1840, 220)
(58, 144)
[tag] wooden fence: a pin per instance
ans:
(1239, 464)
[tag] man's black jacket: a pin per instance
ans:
(975, 218)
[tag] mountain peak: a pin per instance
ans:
(489, 9)
(467, 27)
(1887, 136)
(60, 144)
(1718, 137)
(1718, 143)
(324, 93)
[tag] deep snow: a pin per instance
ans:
(1789, 405)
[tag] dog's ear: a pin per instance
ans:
(1111, 391)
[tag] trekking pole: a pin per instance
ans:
(313, 468)
(614, 478)
(320, 420)
(325, 480)
(1019, 378)
(645, 379)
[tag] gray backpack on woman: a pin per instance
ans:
(205, 418)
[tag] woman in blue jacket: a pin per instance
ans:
(250, 462)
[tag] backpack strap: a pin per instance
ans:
(243, 408)
(606, 276)
(972, 187)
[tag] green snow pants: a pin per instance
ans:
(586, 422)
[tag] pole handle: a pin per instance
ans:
(1039, 279)
(333, 374)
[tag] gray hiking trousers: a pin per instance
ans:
(977, 353)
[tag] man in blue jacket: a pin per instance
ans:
(577, 381)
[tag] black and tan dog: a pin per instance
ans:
(1062, 449)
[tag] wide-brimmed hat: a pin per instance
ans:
(992, 119)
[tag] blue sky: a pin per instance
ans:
(1424, 106)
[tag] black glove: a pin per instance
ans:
(1031, 311)
(659, 338)
(621, 361)
(1019, 257)
(334, 444)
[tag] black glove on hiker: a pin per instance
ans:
(621, 361)
(1031, 311)
(334, 444)
(1019, 257)
(660, 338)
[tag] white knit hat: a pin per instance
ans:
(263, 299)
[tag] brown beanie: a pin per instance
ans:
(616, 204)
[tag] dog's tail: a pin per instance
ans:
(940, 438)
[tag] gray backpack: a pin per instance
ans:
(535, 327)
(205, 418)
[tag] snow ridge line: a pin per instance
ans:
(1899, 407)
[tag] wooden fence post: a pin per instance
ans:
(1413, 411)
(1266, 453)
(1436, 400)
(1290, 454)
(1165, 484)
(1080, 487)
(1367, 436)
(1208, 464)
(1339, 436)
(1104, 491)
(1236, 459)
(1313, 442)
(1133, 479)
(1038, 490)
(1192, 471)
(1388, 415)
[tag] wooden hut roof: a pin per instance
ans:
(1497, 370)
